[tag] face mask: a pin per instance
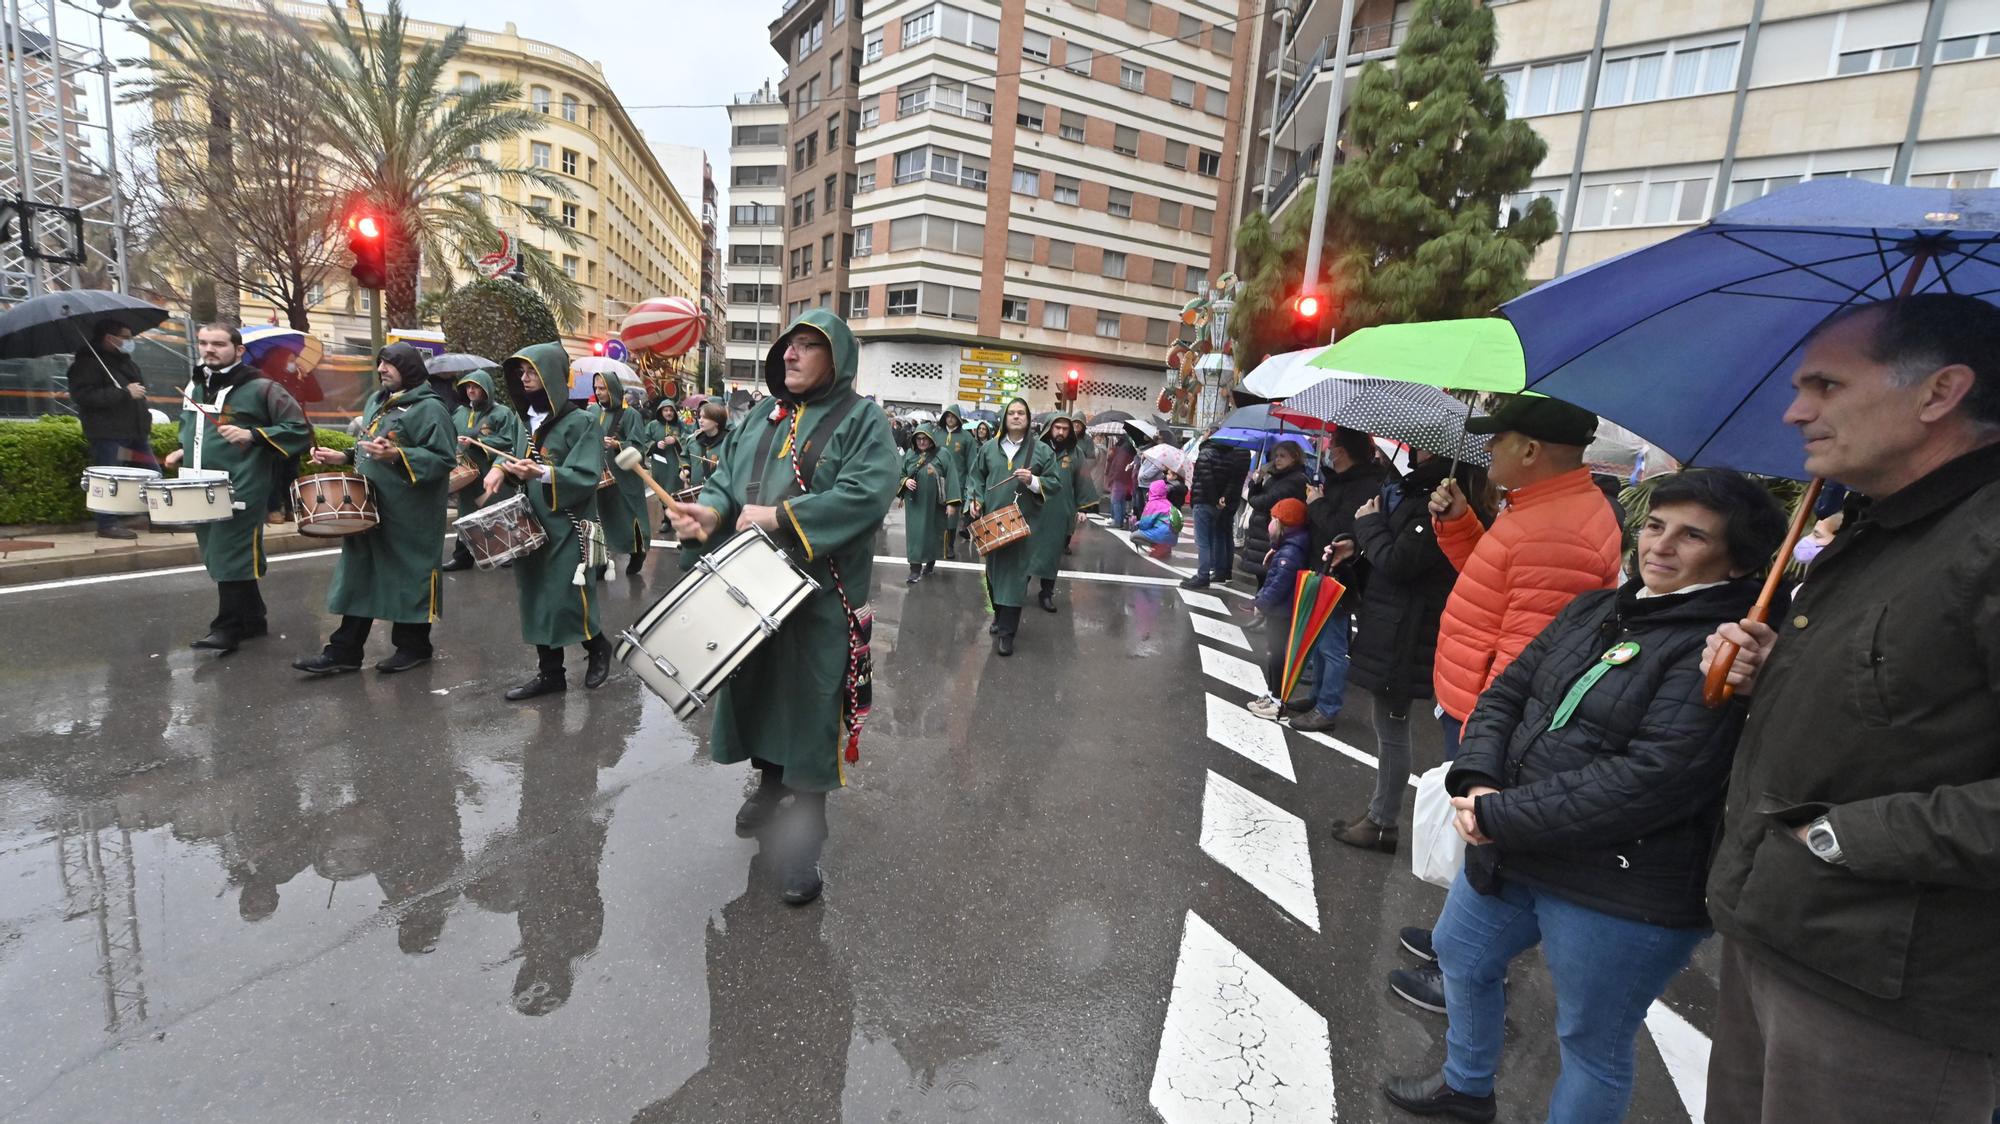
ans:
(129, 347)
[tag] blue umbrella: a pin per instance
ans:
(1691, 342)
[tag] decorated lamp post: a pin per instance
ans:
(1201, 370)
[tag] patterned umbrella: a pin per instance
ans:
(1313, 601)
(287, 356)
(1422, 417)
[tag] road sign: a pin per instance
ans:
(614, 348)
(981, 355)
(976, 384)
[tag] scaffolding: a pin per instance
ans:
(100, 883)
(62, 222)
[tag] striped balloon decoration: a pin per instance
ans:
(662, 325)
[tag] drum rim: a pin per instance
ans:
(121, 472)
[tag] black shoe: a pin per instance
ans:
(930, 568)
(117, 533)
(993, 628)
(1003, 644)
(1367, 835)
(255, 629)
(599, 669)
(456, 564)
(916, 575)
(401, 661)
(1420, 987)
(1223, 579)
(538, 686)
(217, 641)
(758, 808)
(1428, 1095)
(1417, 942)
(323, 664)
(802, 879)
(1313, 720)
(1198, 581)
(638, 561)
(1047, 601)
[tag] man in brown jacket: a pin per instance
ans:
(1857, 883)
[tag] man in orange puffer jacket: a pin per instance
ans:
(1559, 537)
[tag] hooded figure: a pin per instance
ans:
(622, 506)
(557, 590)
(701, 452)
(959, 444)
(390, 573)
(1013, 468)
(930, 500)
(480, 417)
(796, 701)
(1073, 492)
(663, 445)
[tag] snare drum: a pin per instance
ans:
(463, 476)
(998, 528)
(501, 533)
(695, 636)
(114, 490)
(333, 504)
(196, 496)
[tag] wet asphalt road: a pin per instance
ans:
(233, 895)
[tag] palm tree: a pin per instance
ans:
(415, 149)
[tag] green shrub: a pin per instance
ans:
(495, 319)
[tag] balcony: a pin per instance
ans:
(1366, 44)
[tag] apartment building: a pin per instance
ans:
(688, 169)
(1657, 116)
(758, 174)
(820, 43)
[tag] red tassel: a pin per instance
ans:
(853, 753)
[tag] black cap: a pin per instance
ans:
(1543, 419)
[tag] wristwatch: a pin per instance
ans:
(1821, 841)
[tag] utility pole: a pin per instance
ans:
(1277, 96)
(1329, 145)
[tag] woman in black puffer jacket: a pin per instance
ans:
(1590, 780)
(1283, 478)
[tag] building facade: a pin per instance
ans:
(820, 43)
(758, 175)
(1659, 116)
(694, 178)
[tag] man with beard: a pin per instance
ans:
(391, 572)
(621, 507)
(236, 421)
(1073, 492)
(483, 419)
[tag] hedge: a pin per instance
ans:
(42, 461)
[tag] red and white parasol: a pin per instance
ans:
(663, 325)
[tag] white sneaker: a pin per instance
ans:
(1267, 708)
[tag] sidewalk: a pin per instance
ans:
(40, 554)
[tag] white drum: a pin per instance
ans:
(696, 636)
(114, 490)
(196, 496)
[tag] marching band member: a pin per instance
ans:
(483, 418)
(622, 506)
(1011, 468)
(239, 422)
(958, 444)
(702, 451)
(1073, 493)
(391, 571)
(555, 585)
(930, 501)
(816, 470)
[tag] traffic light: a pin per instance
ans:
(367, 240)
(1308, 320)
(597, 347)
(1072, 384)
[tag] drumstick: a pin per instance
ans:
(498, 452)
(631, 461)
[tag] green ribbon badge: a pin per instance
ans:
(1618, 656)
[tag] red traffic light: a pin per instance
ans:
(365, 225)
(1307, 307)
(597, 347)
(367, 240)
(1074, 376)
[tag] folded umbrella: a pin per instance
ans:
(60, 323)
(1313, 601)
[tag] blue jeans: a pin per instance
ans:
(1452, 728)
(1330, 653)
(1120, 503)
(1607, 970)
(1214, 541)
(121, 453)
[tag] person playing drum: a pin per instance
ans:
(1011, 468)
(1074, 493)
(480, 417)
(663, 446)
(816, 469)
(390, 573)
(237, 421)
(703, 451)
(622, 506)
(930, 501)
(557, 590)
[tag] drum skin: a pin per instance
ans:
(334, 504)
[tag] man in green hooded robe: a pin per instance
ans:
(930, 501)
(622, 506)
(236, 421)
(795, 703)
(391, 572)
(663, 445)
(958, 442)
(1011, 468)
(1074, 492)
(556, 588)
(483, 418)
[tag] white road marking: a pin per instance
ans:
(1238, 673)
(1685, 1050)
(1220, 630)
(1249, 736)
(1264, 844)
(100, 579)
(1206, 601)
(1238, 1045)
(1346, 750)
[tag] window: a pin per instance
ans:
(1515, 206)
(1020, 246)
(1119, 203)
(826, 251)
(749, 214)
(1711, 70)
(946, 95)
(1196, 280)
(1139, 13)
(1028, 181)
(1221, 40)
(1208, 163)
(871, 46)
(753, 255)
(839, 12)
(916, 29)
(1983, 178)
(1182, 93)
(1608, 204)
(1156, 331)
(1108, 325)
(1062, 255)
(864, 182)
(1014, 310)
(1132, 76)
(857, 303)
(871, 116)
(836, 70)
(1069, 190)
(539, 154)
(802, 209)
(570, 264)
(910, 165)
(569, 161)
(316, 295)
(1055, 317)
(1176, 155)
(1744, 190)
(864, 241)
(902, 300)
(1076, 58)
(753, 294)
(1125, 140)
(950, 301)
(833, 133)
(538, 98)
(1216, 102)
(1035, 45)
(590, 169)
(828, 196)
(569, 215)
(1676, 201)
(943, 165)
(1170, 214)
(805, 153)
(759, 134)
(1071, 127)
(935, 232)
(570, 105)
(1204, 220)
(1114, 265)
(468, 83)
(1163, 273)
(1188, 29)
(1547, 87)
(846, 190)
(810, 37)
(475, 152)
(1029, 114)
(1880, 58)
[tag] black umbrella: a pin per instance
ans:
(59, 323)
(457, 363)
(1108, 416)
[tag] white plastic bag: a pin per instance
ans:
(1436, 851)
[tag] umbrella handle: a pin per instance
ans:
(1716, 690)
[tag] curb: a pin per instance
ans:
(31, 571)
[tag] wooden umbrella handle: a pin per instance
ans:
(1716, 690)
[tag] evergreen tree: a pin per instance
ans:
(1270, 259)
(495, 318)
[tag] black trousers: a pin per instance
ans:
(351, 637)
(1008, 618)
(550, 660)
(239, 609)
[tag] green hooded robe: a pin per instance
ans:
(555, 611)
(390, 573)
(665, 464)
(987, 485)
(622, 506)
(957, 440)
(784, 704)
(233, 550)
(493, 424)
(930, 513)
(1073, 492)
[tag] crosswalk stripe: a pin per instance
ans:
(1221, 631)
(1206, 602)
(1345, 750)
(1237, 1044)
(1235, 671)
(1249, 736)
(1685, 1050)
(1262, 843)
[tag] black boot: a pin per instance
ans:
(1047, 600)
(549, 677)
(916, 574)
(802, 851)
(461, 558)
(638, 561)
(930, 568)
(600, 662)
(759, 806)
